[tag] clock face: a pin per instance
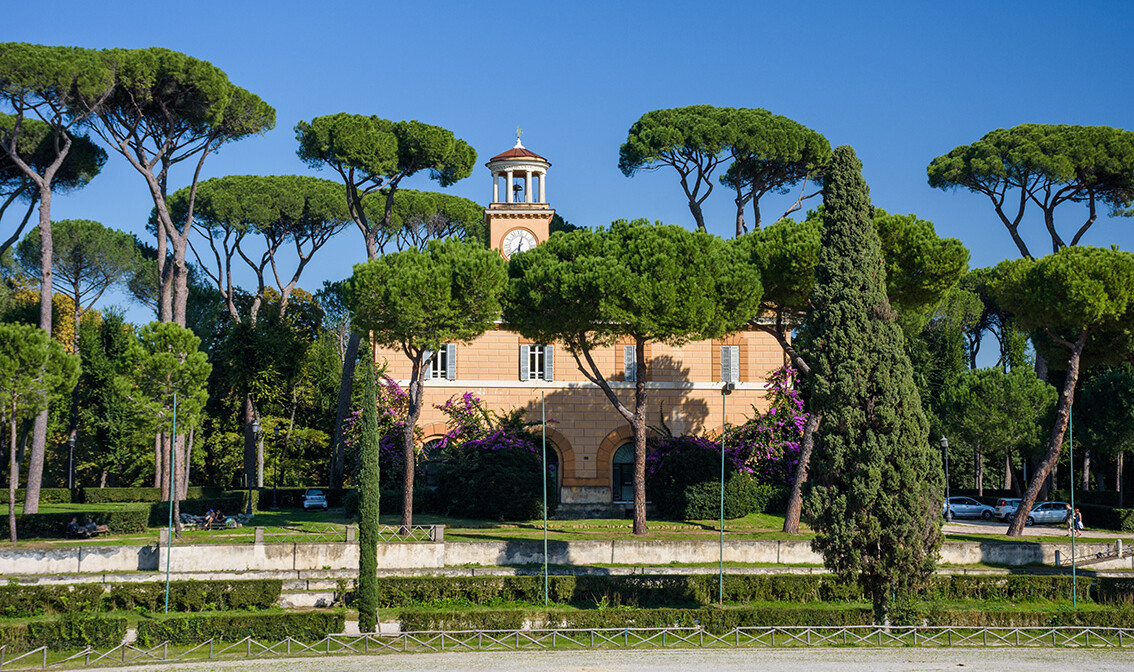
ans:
(518, 240)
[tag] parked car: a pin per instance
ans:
(314, 499)
(966, 507)
(1005, 506)
(1046, 513)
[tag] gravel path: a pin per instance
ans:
(1000, 527)
(762, 660)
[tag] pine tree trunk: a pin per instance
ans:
(1085, 479)
(157, 459)
(13, 477)
(39, 432)
(1118, 476)
(639, 427)
(978, 470)
(1055, 443)
(795, 499)
(165, 464)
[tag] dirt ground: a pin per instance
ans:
(712, 660)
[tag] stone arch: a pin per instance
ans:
(432, 431)
(610, 443)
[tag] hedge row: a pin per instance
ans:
(102, 495)
(688, 591)
(22, 601)
(1107, 518)
(54, 525)
(73, 631)
(46, 496)
(197, 628)
(717, 620)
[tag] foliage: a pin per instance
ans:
(677, 467)
(496, 477)
(770, 440)
(372, 154)
(46, 495)
(647, 283)
(1050, 164)
(369, 479)
(35, 146)
(1107, 403)
(875, 482)
(416, 300)
(169, 362)
(212, 595)
(304, 626)
(73, 631)
(33, 368)
(54, 525)
(998, 411)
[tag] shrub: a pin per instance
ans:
(197, 628)
(496, 477)
(683, 476)
(73, 631)
(46, 496)
(54, 525)
(23, 601)
(103, 495)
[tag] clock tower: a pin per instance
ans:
(518, 218)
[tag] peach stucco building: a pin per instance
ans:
(587, 438)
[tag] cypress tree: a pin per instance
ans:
(875, 479)
(368, 474)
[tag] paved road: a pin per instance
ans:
(999, 527)
(713, 660)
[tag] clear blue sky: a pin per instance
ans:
(903, 82)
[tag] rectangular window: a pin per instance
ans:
(730, 363)
(629, 363)
(537, 362)
(443, 366)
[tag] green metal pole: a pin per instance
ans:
(724, 425)
(543, 430)
(172, 491)
(1074, 527)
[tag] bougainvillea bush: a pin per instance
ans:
(683, 473)
(491, 464)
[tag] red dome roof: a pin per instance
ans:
(518, 153)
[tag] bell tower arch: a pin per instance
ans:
(518, 218)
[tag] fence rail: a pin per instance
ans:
(581, 638)
(340, 533)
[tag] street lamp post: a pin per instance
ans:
(255, 437)
(945, 457)
(71, 462)
(276, 476)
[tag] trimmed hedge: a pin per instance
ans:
(74, 631)
(1097, 497)
(35, 600)
(650, 591)
(101, 495)
(1107, 518)
(54, 525)
(292, 498)
(197, 628)
(46, 496)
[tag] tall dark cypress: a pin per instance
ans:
(875, 481)
(368, 505)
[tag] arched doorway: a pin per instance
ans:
(622, 476)
(432, 464)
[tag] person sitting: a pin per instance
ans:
(76, 530)
(94, 528)
(210, 518)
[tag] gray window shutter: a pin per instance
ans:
(451, 361)
(549, 362)
(730, 363)
(427, 362)
(629, 362)
(524, 362)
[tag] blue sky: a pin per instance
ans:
(903, 82)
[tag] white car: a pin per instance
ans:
(1005, 506)
(966, 507)
(1046, 512)
(314, 499)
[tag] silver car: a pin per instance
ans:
(1046, 513)
(314, 499)
(1005, 506)
(966, 507)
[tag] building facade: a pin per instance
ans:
(589, 441)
